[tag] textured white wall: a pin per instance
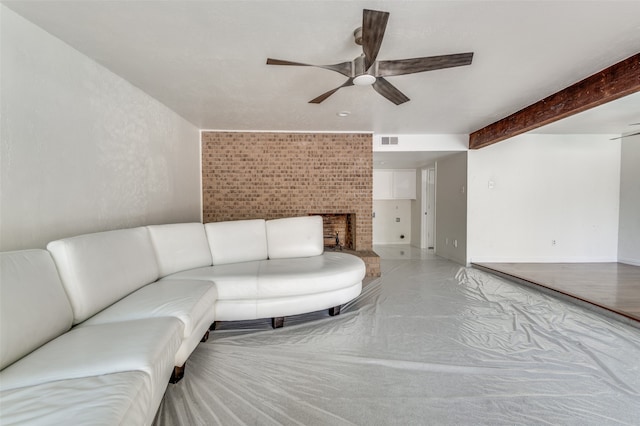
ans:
(82, 149)
(562, 188)
(451, 208)
(629, 226)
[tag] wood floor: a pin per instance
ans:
(611, 286)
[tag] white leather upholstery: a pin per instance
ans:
(146, 345)
(192, 302)
(309, 275)
(237, 281)
(104, 400)
(131, 330)
(293, 305)
(180, 246)
(236, 310)
(33, 306)
(280, 287)
(99, 269)
(295, 237)
(237, 241)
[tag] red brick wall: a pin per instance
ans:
(272, 175)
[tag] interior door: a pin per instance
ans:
(428, 208)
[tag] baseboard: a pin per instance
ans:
(487, 259)
(633, 262)
(394, 243)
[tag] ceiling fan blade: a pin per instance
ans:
(344, 68)
(374, 24)
(325, 95)
(389, 91)
(410, 66)
(625, 136)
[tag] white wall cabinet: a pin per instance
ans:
(382, 184)
(394, 184)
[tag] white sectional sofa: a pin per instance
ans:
(94, 327)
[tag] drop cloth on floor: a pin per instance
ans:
(428, 343)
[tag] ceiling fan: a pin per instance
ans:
(366, 70)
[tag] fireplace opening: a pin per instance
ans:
(338, 230)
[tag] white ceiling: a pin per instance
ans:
(206, 59)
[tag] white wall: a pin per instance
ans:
(531, 190)
(425, 142)
(385, 228)
(629, 225)
(451, 208)
(82, 149)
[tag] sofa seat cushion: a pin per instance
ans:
(110, 399)
(309, 275)
(146, 345)
(186, 300)
(34, 308)
(234, 281)
(190, 301)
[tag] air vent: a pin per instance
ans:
(389, 140)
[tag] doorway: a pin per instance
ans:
(428, 197)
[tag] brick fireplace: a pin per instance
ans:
(248, 175)
(339, 230)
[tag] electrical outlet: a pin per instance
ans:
(455, 243)
(553, 242)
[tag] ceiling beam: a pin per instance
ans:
(618, 80)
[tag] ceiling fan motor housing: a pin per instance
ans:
(357, 35)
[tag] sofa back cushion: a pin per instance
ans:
(295, 237)
(34, 308)
(237, 241)
(179, 247)
(102, 268)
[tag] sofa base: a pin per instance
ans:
(177, 374)
(334, 311)
(277, 322)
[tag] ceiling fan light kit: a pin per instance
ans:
(365, 70)
(364, 80)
